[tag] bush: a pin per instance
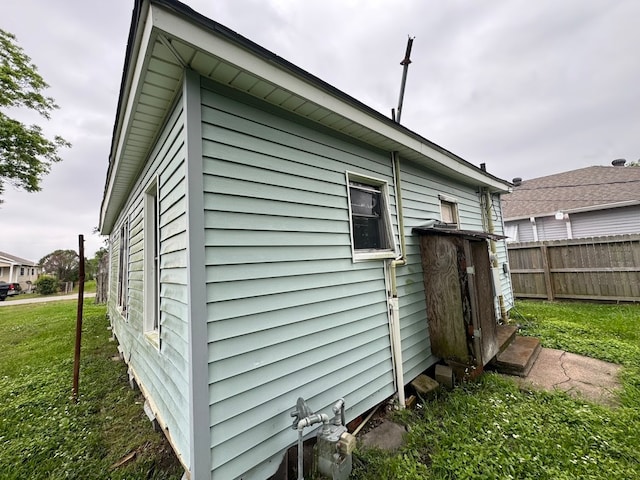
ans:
(47, 285)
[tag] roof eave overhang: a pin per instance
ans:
(184, 30)
(139, 39)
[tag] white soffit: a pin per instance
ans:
(244, 70)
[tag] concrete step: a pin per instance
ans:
(519, 356)
(505, 334)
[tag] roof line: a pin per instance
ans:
(575, 185)
(17, 260)
(133, 31)
(590, 208)
(209, 24)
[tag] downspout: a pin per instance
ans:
(488, 201)
(394, 305)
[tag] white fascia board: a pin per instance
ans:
(133, 86)
(591, 208)
(606, 206)
(245, 60)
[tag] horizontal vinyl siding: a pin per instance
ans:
(551, 229)
(614, 221)
(525, 231)
(503, 254)
(420, 201)
(289, 313)
(162, 374)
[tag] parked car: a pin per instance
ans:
(4, 290)
(9, 289)
(14, 289)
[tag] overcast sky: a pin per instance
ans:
(529, 88)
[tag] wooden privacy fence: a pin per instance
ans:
(597, 268)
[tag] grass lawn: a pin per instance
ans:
(492, 430)
(89, 287)
(43, 434)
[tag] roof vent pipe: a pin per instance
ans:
(517, 181)
(618, 162)
(405, 64)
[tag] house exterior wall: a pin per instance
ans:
(289, 314)
(162, 372)
(610, 221)
(23, 274)
(613, 221)
(503, 254)
(284, 297)
(525, 230)
(549, 228)
(420, 201)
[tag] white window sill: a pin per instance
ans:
(123, 313)
(365, 255)
(153, 338)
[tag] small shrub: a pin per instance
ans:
(47, 285)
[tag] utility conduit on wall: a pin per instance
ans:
(392, 300)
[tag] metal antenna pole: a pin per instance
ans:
(76, 357)
(405, 63)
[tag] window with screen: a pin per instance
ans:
(371, 232)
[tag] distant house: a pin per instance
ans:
(16, 269)
(588, 202)
(260, 224)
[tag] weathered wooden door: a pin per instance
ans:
(486, 317)
(446, 304)
(459, 298)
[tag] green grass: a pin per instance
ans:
(43, 434)
(606, 332)
(493, 430)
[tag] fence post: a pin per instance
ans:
(547, 272)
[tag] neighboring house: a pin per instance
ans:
(588, 202)
(16, 269)
(260, 227)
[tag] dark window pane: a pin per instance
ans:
(364, 202)
(367, 233)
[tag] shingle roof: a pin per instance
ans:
(582, 188)
(17, 260)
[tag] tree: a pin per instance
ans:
(92, 265)
(26, 155)
(64, 264)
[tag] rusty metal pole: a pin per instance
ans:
(405, 63)
(76, 358)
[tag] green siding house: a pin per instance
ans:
(260, 227)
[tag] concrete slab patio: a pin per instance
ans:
(579, 376)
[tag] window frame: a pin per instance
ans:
(151, 317)
(123, 269)
(391, 251)
(453, 203)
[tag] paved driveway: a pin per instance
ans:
(73, 296)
